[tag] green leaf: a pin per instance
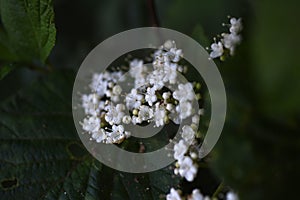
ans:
(6, 53)
(29, 26)
(41, 156)
(5, 69)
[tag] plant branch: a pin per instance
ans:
(153, 14)
(218, 190)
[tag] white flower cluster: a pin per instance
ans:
(149, 100)
(196, 195)
(228, 41)
(176, 195)
(186, 159)
(185, 156)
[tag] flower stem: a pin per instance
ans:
(218, 190)
(153, 14)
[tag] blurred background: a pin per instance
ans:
(258, 152)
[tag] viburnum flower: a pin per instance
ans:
(115, 93)
(117, 134)
(99, 135)
(184, 109)
(136, 68)
(173, 195)
(174, 54)
(170, 107)
(145, 113)
(138, 71)
(170, 71)
(236, 25)
(156, 78)
(187, 169)
(136, 120)
(126, 119)
(91, 124)
(217, 50)
(133, 99)
(99, 83)
(195, 119)
(90, 103)
(159, 115)
(228, 41)
(180, 149)
(184, 92)
(188, 134)
(151, 96)
(115, 114)
(196, 195)
(166, 95)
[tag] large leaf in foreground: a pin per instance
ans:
(29, 26)
(41, 156)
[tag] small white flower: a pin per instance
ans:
(110, 84)
(201, 111)
(114, 114)
(166, 95)
(217, 50)
(120, 107)
(196, 195)
(169, 44)
(156, 78)
(170, 71)
(184, 109)
(126, 119)
(188, 134)
(116, 134)
(174, 54)
(231, 196)
(184, 92)
(187, 169)
(193, 155)
(145, 113)
(116, 76)
(90, 103)
(170, 107)
(195, 119)
(180, 149)
(99, 136)
(118, 128)
(230, 41)
(117, 90)
(115, 93)
(133, 99)
(173, 195)
(136, 120)
(151, 96)
(136, 67)
(127, 134)
(159, 59)
(91, 124)
(236, 25)
(159, 115)
(99, 83)
(176, 171)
